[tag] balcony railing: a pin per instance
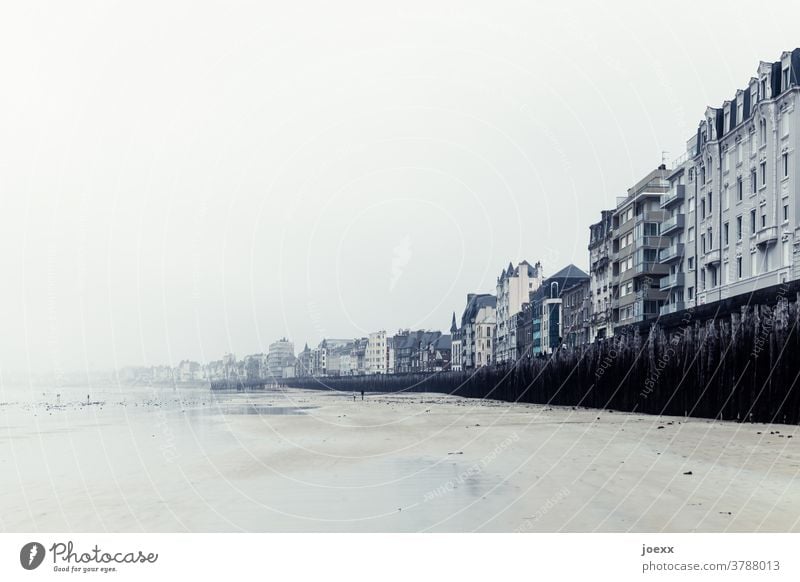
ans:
(672, 307)
(673, 223)
(676, 194)
(671, 253)
(670, 281)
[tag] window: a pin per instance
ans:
(690, 292)
(703, 243)
(739, 189)
(753, 221)
(785, 159)
(691, 203)
(738, 267)
(725, 234)
(710, 239)
(691, 263)
(738, 228)
(762, 132)
(763, 167)
(710, 202)
(763, 220)
(691, 234)
(703, 208)
(726, 200)
(786, 213)
(785, 80)
(753, 182)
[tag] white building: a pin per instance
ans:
(514, 286)
(478, 325)
(734, 201)
(377, 353)
(280, 357)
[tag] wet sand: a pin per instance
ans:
(158, 460)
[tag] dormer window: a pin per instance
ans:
(785, 80)
(763, 89)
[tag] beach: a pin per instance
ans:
(158, 459)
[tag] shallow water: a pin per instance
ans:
(156, 459)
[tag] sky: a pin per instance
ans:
(183, 179)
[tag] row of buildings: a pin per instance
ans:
(378, 353)
(277, 364)
(722, 221)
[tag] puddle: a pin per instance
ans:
(255, 409)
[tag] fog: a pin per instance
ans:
(183, 179)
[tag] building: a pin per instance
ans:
(514, 286)
(407, 347)
(525, 331)
(302, 366)
(437, 354)
(547, 318)
(734, 200)
(377, 353)
(280, 357)
(255, 367)
(636, 243)
(478, 324)
(576, 305)
(600, 284)
(358, 356)
(455, 345)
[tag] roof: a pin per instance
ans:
(511, 271)
(570, 271)
(475, 302)
(443, 342)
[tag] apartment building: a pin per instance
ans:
(576, 304)
(636, 242)
(741, 190)
(377, 353)
(514, 286)
(546, 310)
(478, 325)
(601, 324)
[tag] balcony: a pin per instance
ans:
(670, 281)
(673, 224)
(767, 236)
(669, 254)
(713, 256)
(676, 194)
(672, 307)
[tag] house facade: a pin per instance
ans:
(514, 285)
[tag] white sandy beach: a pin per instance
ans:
(159, 460)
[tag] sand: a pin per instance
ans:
(160, 460)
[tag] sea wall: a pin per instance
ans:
(741, 364)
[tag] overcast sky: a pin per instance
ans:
(182, 179)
